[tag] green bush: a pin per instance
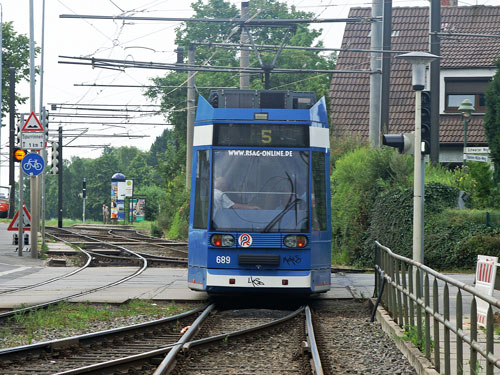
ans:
(483, 176)
(180, 224)
(391, 219)
(174, 210)
(480, 243)
(357, 179)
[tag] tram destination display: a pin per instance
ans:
(261, 135)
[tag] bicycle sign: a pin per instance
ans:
(32, 164)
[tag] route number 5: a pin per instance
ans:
(266, 136)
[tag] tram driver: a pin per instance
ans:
(221, 200)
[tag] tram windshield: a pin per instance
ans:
(260, 190)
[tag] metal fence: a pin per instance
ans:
(492, 219)
(410, 291)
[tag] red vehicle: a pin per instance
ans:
(4, 201)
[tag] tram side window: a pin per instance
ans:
(319, 191)
(200, 220)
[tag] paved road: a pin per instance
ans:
(11, 264)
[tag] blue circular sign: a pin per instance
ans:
(32, 164)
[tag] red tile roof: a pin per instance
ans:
(350, 92)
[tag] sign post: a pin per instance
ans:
(33, 138)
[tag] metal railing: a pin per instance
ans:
(407, 296)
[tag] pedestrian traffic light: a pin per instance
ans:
(426, 122)
(404, 142)
(18, 154)
(54, 165)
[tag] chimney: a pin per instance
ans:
(449, 3)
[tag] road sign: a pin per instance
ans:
(32, 124)
(14, 224)
(32, 140)
(477, 150)
(476, 158)
(32, 164)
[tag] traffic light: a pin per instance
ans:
(180, 55)
(404, 142)
(18, 134)
(45, 122)
(54, 166)
(84, 189)
(426, 122)
(18, 154)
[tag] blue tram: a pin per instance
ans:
(260, 193)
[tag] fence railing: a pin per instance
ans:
(411, 295)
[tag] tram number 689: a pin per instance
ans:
(220, 259)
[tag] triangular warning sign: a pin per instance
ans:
(14, 224)
(32, 124)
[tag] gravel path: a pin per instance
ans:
(350, 344)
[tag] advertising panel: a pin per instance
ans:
(138, 209)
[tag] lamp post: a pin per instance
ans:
(419, 62)
(466, 108)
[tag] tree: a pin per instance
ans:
(173, 101)
(15, 48)
(492, 120)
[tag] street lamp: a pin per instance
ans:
(419, 62)
(466, 108)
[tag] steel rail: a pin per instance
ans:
(85, 292)
(68, 341)
(311, 344)
(163, 246)
(87, 263)
(188, 345)
(168, 363)
(144, 356)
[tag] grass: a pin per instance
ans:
(66, 318)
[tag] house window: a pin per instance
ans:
(458, 89)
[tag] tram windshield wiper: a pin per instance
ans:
(277, 218)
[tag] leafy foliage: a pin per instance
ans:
(358, 178)
(372, 199)
(491, 121)
(15, 54)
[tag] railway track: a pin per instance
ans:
(224, 338)
(135, 259)
(158, 346)
(96, 250)
(153, 247)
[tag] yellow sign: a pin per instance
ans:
(19, 154)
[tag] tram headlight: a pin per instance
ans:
(295, 241)
(224, 240)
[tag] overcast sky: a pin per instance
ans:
(145, 41)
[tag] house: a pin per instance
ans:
(467, 66)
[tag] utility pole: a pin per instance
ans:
(20, 233)
(1, 70)
(376, 76)
(12, 137)
(45, 123)
(190, 116)
(435, 49)
(35, 210)
(245, 51)
(60, 182)
(84, 196)
(386, 67)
